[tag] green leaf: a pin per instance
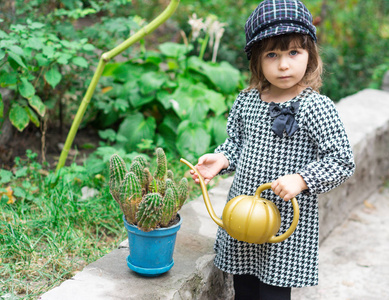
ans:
(17, 59)
(2, 54)
(18, 117)
(5, 176)
(224, 76)
(124, 72)
(41, 60)
(167, 138)
(215, 101)
(121, 105)
(36, 25)
(33, 117)
(35, 43)
(21, 172)
(26, 89)
(164, 98)
(37, 104)
(189, 102)
(151, 81)
(64, 58)
(16, 50)
(193, 140)
(53, 77)
(3, 34)
(9, 78)
(48, 51)
(88, 47)
(135, 128)
(175, 50)
(80, 61)
(138, 100)
(108, 134)
(218, 129)
(19, 192)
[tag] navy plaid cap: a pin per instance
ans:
(277, 17)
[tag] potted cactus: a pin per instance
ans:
(150, 205)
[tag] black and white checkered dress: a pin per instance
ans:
(319, 151)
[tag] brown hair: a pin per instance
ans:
(312, 77)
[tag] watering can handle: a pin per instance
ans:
(296, 216)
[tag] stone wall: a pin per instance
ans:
(366, 118)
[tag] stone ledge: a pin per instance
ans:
(366, 118)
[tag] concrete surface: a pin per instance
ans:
(354, 233)
(353, 260)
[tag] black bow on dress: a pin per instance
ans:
(284, 118)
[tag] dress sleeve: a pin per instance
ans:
(232, 146)
(335, 161)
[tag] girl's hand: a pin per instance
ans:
(289, 186)
(209, 165)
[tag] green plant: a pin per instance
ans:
(148, 201)
(52, 227)
(170, 97)
(105, 57)
(40, 67)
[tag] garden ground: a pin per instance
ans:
(85, 142)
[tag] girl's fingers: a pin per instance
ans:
(274, 185)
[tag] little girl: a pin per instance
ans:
(281, 130)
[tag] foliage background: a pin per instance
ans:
(164, 92)
(49, 50)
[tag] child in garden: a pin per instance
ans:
(281, 130)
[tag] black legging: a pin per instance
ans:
(249, 287)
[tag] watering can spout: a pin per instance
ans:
(204, 190)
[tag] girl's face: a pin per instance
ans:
(284, 69)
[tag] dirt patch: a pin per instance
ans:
(48, 149)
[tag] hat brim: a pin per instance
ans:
(276, 30)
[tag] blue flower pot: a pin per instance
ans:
(151, 253)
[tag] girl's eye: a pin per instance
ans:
(271, 55)
(293, 52)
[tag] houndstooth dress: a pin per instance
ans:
(319, 151)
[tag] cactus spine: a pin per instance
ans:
(147, 201)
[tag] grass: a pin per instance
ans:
(51, 232)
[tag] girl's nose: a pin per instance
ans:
(283, 63)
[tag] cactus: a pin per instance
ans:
(137, 169)
(130, 196)
(117, 174)
(147, 201)
(183, 187)
(150, 212)
(169, 208)
(148, 178)
(141, 160)
(160, 173)
(170, 174)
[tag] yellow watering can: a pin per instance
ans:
(250, 219)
